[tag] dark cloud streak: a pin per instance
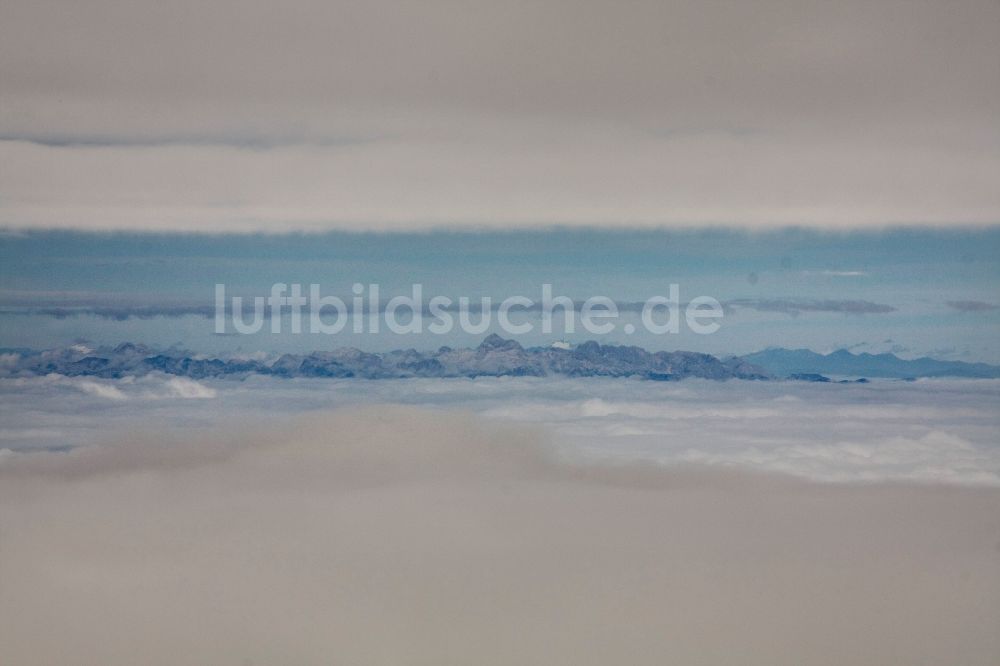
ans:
(796, 307)
(972, 306)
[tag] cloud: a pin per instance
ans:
(116, 306)
(936, 456)
(971, 306)
(100, 389)
(99, 307)
(154, 386)
(830, 273)
(385, 115)
(246, 141)
(796, 307)
(188, 389)
(621, 421)
(116, 313)
(389, 535)
(883, 431)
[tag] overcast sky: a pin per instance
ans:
(247, 115)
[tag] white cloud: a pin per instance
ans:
(182, 387)
(99, 389)
(933, 457)
(915, 430)
(154, 386)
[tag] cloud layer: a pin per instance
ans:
(934, 431)
(393, 535)
(790, 306)
(972, 306)
(390, 115)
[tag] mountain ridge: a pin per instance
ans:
(782, 362)
(495, 356)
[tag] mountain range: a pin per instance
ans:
(788, 362)
(494, 357)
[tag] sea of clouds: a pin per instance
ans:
(380, 534)
(929, 430)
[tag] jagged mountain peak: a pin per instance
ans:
(494, 342)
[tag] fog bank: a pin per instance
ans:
(395, 535)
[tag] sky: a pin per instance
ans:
(911, 292)
(827, 170)
(375, 115)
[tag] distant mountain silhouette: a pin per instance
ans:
(789, 362)
(494, 357)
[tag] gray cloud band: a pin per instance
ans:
(415, 115)
(793, 307)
